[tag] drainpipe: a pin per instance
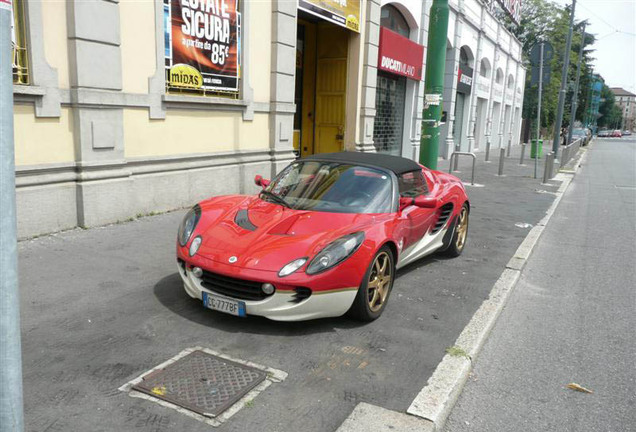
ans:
(434, 83)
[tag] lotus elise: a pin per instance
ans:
(322, 239)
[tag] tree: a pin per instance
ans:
(611, 114)
(544, 20)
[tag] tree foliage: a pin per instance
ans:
(547, 21)
(611, 114)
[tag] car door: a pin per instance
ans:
(418, 220)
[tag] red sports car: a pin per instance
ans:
(323, 238)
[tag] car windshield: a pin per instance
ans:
(333, 187)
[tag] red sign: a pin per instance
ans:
(400, 55)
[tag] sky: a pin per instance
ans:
(615, 50)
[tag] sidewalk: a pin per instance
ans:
(570, 318)
(102, 306)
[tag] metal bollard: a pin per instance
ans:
(457, 148)
(547, 170)
(523, 153)
(488, 150)
(502, 156)
(509, 147)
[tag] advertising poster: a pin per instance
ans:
(202, 45)
(345, 13)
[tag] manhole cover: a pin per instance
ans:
(202, 382)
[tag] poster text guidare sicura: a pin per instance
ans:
(202, 45)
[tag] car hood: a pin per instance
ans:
(274, 235)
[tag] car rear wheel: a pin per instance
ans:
(376, 286)
(458, 242)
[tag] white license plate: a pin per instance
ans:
(222, 304)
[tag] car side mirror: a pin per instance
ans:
(421, 201)
(425, 201)
(260, 181)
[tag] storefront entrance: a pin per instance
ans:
(321, 84)
(399, 60)
(458, 123)
(388, 127)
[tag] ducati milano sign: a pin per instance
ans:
(399, 55)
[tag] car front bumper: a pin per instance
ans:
(280, 306)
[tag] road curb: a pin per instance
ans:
(436, 400)
(432, 406)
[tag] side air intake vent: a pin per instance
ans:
(445, 211)
(300, 294)
(242, 219)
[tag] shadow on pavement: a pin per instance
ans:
(169, 291)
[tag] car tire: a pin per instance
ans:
(373, 293)
(460, 234)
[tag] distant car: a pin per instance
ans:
(603, 133)
(580, 134)
(323, 238)
(627, 133)
(616, 134)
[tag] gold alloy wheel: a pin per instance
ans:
(379, 282)
(462, 229)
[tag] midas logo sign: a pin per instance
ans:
(352, 22)
(183, 75)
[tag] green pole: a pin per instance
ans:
(434, 83)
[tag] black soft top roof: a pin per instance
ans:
(398, 165)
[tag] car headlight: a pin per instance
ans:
(336, 252)
(195, 245)
(188, 224)
(292, 267)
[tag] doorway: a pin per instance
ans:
(480, 123)
(507, 125)
(458, 123)
(321, 85)
(494, 127)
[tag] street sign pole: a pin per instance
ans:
(11, 415)
(434, 83)
(536, 147)
(562, 91)
(575, 95)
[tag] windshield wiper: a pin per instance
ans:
(280, 200)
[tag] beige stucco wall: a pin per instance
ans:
(137, 22)
(42, 140)
(55, 39)
(190, 132)
(260, 34)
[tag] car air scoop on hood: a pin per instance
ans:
(280, 234)
(284, 227)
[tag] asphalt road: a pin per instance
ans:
(571, 318)
(102, 306)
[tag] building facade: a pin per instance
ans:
(124, 108)
(627, 102)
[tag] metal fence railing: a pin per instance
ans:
(569, 151)
(455, 157)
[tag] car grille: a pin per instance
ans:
(232, 287)
(445, 212)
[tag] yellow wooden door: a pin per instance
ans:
(331, 89)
